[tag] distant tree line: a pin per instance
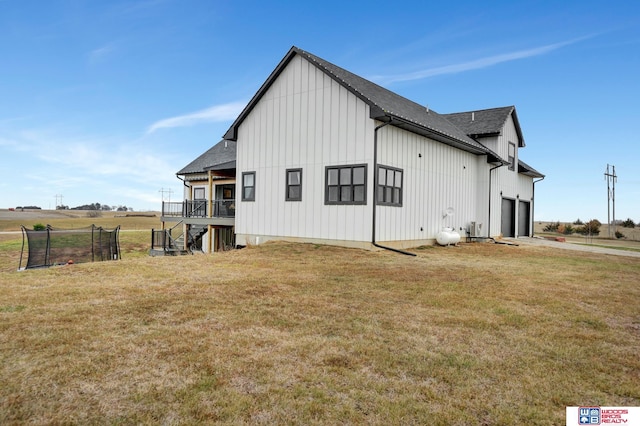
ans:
(97, 207)
(592, 227)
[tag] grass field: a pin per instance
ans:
(480, 334)
(303, 334)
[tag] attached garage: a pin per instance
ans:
(508, 227)
(524, 219)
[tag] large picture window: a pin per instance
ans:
(346, 184)
(294, 185)
(248, 186)
(389, 190)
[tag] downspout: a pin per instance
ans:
(490, 170)
(184, 183)
(375, 193)
(533, 205)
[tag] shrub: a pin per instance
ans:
(619, 234)
(578, 222)
(39, 227)
(566, 229)
(552, 227)
(628, 223)
(94, 213)
(590, 228)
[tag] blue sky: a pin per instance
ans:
(103, 101)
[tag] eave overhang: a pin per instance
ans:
(527, 170)
(377, 113)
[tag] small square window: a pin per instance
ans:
(198, 193)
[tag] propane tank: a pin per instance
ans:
(447, 237)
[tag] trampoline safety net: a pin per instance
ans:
(61, 246)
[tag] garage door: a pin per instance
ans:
(524, 219)
(508, 228)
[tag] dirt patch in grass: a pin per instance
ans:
(297, 333)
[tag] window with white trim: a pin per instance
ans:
(389, 190)
(346, 184)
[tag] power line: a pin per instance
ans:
(168, 191)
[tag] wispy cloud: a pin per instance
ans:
(85, 168)
(88, 156)
(216, 113)
(101, 53)
(475, 64)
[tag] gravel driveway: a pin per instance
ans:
(572, 246)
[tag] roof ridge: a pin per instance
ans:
(512, 107)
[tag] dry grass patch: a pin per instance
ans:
(290, 333)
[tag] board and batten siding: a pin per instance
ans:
(507, 183)
(304, 120)
(435, 177)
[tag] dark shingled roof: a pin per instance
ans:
(221, 156)
(485, 122)
(384, 105)
(527, 170)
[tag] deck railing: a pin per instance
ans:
(199, 208)
(161, 239)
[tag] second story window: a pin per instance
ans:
(248, 186)
(512, 156)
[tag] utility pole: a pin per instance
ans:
(168, 191)
(60, 197)
(611, 194)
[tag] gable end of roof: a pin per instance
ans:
(384, 105)
(487, 122)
